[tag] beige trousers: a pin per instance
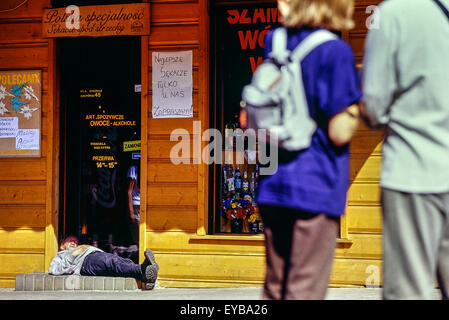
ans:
(299, 253)
(415, 244)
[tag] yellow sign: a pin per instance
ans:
(131, 145)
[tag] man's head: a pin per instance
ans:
(68, 243)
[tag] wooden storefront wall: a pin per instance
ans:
(174, 198)
(28, 193)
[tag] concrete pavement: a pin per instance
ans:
(216, 303)
(228, 294)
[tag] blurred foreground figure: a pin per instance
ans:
(301, 203)
(405, 78)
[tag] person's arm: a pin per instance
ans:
(62, 263)
(343, 125)
(56, 266)
(130, 199)
(79, 250)
(379, 77)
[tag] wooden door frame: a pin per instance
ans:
(52, 153)
(144, 73)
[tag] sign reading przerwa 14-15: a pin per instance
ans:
(97, 21)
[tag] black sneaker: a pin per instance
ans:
(150, 259)
(151, 276)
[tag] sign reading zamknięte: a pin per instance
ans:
(97, 21)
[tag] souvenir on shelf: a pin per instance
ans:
(238, 210)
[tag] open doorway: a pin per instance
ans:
(100, 141)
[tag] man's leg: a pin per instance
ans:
(412, 231)
(300, 250)
(106, 264)
(443, 254)
(134, 226)
(311, 257)
(277, 230)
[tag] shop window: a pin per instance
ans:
(237, 34)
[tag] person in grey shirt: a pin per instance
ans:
(405, 78)
(89, 260)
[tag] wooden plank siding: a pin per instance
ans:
(176, 197)
(174, 205)
(25, 188)
(355, 263)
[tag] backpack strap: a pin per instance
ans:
(311, 42)
(281, 54)
(279, 51)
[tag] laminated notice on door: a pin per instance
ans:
(172, 84)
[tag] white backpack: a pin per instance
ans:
(275, 98)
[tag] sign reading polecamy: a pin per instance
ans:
(20, 113)
(172, 84)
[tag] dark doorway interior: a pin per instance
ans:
(100, 124)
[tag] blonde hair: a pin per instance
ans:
(330, 14)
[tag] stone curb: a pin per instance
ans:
(47, 282)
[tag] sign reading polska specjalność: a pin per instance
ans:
(20, 113)
(97, 21)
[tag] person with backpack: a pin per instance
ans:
(405, 73)
(302, 201)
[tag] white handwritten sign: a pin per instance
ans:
(172, 84)
(27, 139)
(8, 127)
